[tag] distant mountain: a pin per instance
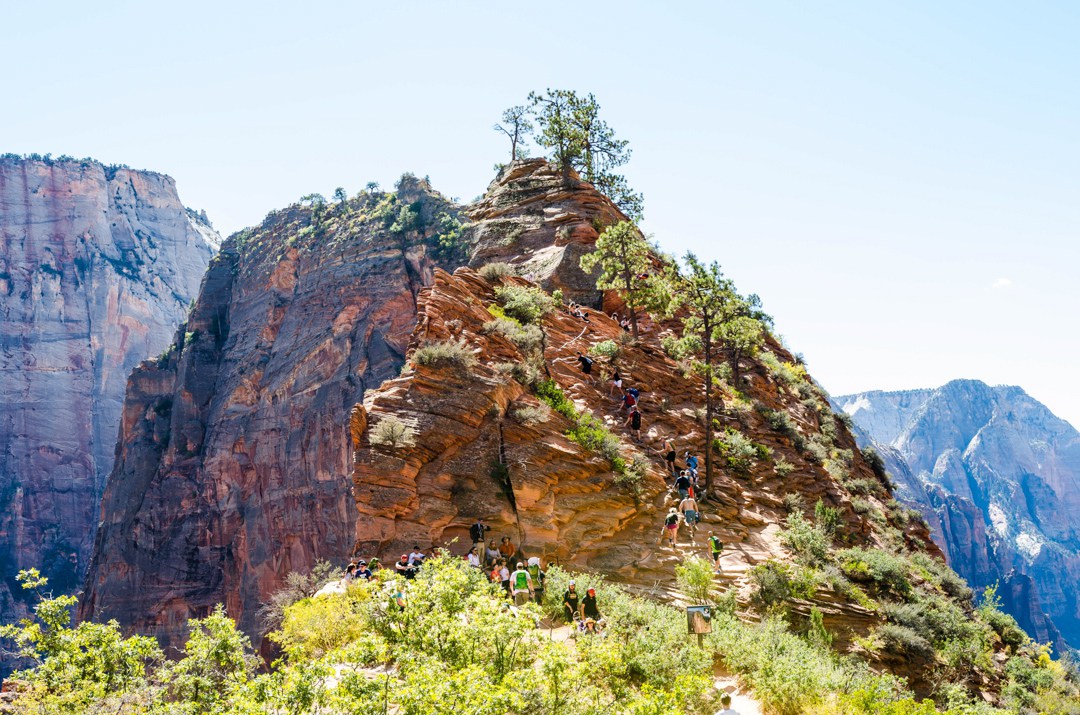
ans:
(98, 266)
(998, 477)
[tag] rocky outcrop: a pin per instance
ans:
(482, 445)
(998, 476)
(97, 268)
(234, 456)
(542, 220)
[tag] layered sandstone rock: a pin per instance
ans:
(97, 268)
(234, 457)
(998, 476)
(479, 451)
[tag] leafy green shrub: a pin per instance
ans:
(495, 272)
(525, 304)
(528, 338)
(888, 571)
(793, 501)
(818, 634)
(781, 422)
(681, 348)
(783, 468)
(808, 542)
(937, 572)
(816, 452)
(827, 518)
(773, 582)
(392, 432)
(452, 354)
(876, 462)
(695, 577)
(738, 450)
(903, 640)
(527, 372)
(864, 486)
(1003, 624)
(605, 348)
(585, 429)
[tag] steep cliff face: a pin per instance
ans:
(998, 475)
(233, 463)
(97, 268)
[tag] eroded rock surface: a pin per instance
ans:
(234, 457)
(97, 268)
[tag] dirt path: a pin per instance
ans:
(742, 701)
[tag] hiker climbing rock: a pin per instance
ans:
(668, 450)
(616, 381)
(671, 527)
(716, 547)
(689, 509)
(586, 366)
(628, 401)
(634, 423)
(683, 485)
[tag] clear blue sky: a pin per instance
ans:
(900, 182)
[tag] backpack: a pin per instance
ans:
(714, 542)
(536, 573)
(586, 362)
(672, 519)
(634, 392)
(521, 581)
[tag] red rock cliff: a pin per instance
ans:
(97, 268)
(234, 460)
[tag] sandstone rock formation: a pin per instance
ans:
(998, 476)
(97, 268)
(234, 456)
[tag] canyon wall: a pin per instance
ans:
(98, 266)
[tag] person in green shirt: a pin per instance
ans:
(521, 585)
(716, 547)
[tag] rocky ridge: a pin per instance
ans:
(233, 463)
(97, 268)
(997, 476)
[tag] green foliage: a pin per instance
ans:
(681, 348)
(622, 254)
(809, 543)
(695, 578)
(517, 128)
(392, 432)
(528, 338)
(782, 467)
(445, 354)
(589, 432)
(737, 450)
(818, 634)
(297, 586)
(523, 303)
(1004, 625)
(218, 662)
(605, 348)
(889, 572)
(531, 414)
(827, 517)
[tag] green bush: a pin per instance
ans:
(774, 582)
(888, 571)
(827, 518)
(495, 272)
(605, 348)
(903, 640)
(695, 578)
(737, 450)
(527, 338)
(392, 432)
(525, 304)
(531, 414)
(783, 468)
(809, 543)
(452, 354)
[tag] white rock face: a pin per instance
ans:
(97, 269)
(999, 476)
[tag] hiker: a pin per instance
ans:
(668, 450)
(350, 574)
(725, 703)
(537, 575)
(504, 576)
(628, 401)
(521, 585)
(507, 548)
(477, 531)
(491, 553)
(589, 608)
(625, 324)
(362, 571)
(586, 367)
(683, 485)
(473, 558)
(671, 526)
(716, 547)
(570, 602)
(634, 423)
(416, 557)
(691, 464)
(404, 568)
(616, 381)
(689, 510)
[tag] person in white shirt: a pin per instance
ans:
(416, 557)
(473, 559)
(725, 703)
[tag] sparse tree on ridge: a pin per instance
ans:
(577, 138)
(623, 255)
(372, 187)
(516, 125)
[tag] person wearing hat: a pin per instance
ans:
(589, 609)
(570, 601)
(521, 585)
(362, 570)
(716, 546)
(671, 526)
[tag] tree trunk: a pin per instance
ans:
(708, 410)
